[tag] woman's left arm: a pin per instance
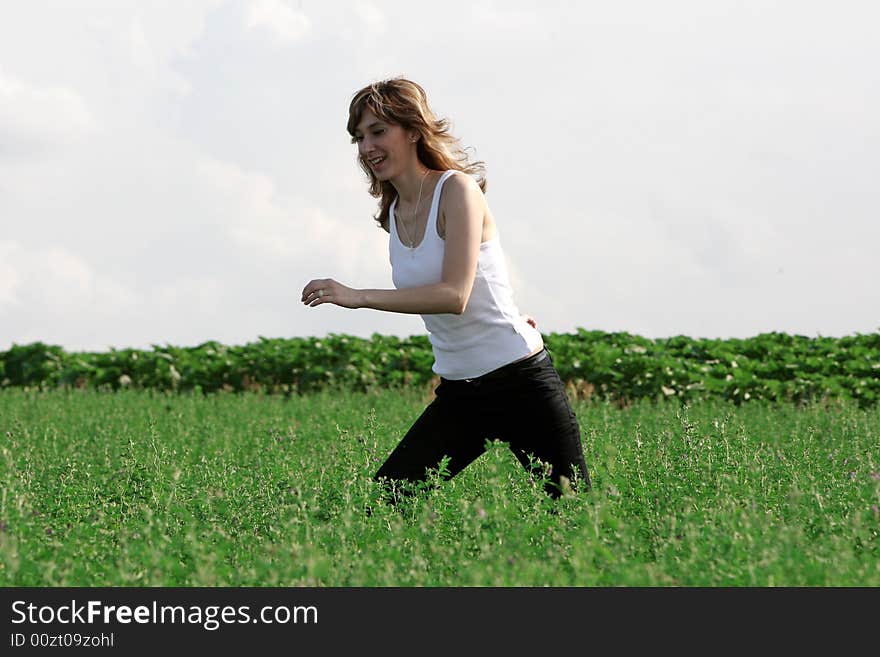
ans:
(465, 207)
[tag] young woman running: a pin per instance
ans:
(496, 378)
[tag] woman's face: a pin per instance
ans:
(385, 147)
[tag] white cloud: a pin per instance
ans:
(54, 295)
(152, 63)
(507, 19)
(64, 276)
(201, 295)
(50, 293)
(274, 225)
(38, 118)
(684, 168)
(10, 281)
(372, 18)
(283, 22)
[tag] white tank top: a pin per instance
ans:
(490, 333)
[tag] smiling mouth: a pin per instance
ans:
(377, 161)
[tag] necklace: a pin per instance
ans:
(408, 239)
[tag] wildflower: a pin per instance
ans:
(565, 485)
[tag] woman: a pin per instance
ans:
(496, 378)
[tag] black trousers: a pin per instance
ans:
(523, 404)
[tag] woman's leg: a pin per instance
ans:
(533, 414)
(449, 426)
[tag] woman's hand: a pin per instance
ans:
(531, 321)
(326, 290)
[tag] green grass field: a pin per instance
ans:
(147, 489)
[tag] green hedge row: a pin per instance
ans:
(611, 366)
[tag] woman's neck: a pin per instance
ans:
(408, 183)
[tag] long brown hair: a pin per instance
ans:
(403, 102)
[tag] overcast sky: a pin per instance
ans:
(175, 172)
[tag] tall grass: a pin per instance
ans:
(148, 489)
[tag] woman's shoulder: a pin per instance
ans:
(461, 181)
(459, 191)
(457, 174)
